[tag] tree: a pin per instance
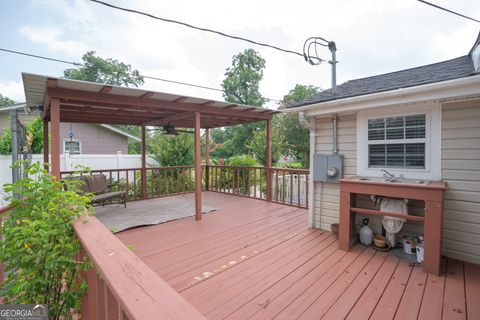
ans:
(113, 72)
(242, 79)
(258, 145)
(169, 151)
(109, 71)
(241, 85)
(5, 101)
(297, 138)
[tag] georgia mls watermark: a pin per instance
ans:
(23, 312)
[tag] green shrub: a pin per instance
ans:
(39, 248)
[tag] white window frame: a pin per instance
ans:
(69, 140)
(433, 134)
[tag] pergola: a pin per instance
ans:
(65, 100)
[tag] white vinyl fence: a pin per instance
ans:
(69, 162)
(288, 188)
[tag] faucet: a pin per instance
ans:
(387, 174)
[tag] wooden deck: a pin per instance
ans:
(253, 259)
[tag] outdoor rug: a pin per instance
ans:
(146, 212)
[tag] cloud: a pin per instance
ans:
(372, 37)
(50, 36)
(12, 90)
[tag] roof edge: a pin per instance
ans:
(117, 130)
(465, 86)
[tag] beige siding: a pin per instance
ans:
(327, 196)
(461, 170)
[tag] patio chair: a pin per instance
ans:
(102, 190)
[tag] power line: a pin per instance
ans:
(197, 28)
(448, 10)
(77, 64)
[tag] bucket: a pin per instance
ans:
(409, 244)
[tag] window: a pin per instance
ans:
(73, 147)
(397, 142)
(404, 140)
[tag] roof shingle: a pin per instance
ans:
(442, 71)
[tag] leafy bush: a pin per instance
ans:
(39, 247)
(35, 137)
(290, 165)
(173, 151)
(258, 146)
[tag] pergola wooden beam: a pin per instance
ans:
(55, 132)
(144, 165)
(164, 121)
(51, 83)
(146, 95)
(145, 104)
(106, 89)
(268, 164)
(157, 106)
(198, 169)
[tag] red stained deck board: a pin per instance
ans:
(454, 298)
(223, 261)
(412, 297)
(284, 270)
(320, 307)
(345, 302)
(254, 274)
(209, 288)
(245, 293)
(273, 299)
(432, 302)
(309, 296)
(388, 303)
(472, 290)
(364, 307)
(223, 243)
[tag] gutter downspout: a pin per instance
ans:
(335, 133)
(311, 125)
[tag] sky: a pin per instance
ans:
(372, 37)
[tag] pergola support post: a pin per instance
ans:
(198, 170)
(143, 172)
(46, 160)
(207, 159)
(55, 131)
(268, 162)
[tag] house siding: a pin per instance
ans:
(94, 139)
(461, 170)
(327, 195)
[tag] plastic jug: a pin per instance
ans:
(365, 233)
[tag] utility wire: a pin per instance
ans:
(447, 10)
(197, 28)
(77, 64)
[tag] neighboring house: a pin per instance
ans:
(77, 138)
(423, 123)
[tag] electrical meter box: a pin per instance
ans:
(328, 167)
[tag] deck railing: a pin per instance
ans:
(288, 186)
(120, 285)
(280, 185)
(160, 181)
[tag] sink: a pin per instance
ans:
(395, 180)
